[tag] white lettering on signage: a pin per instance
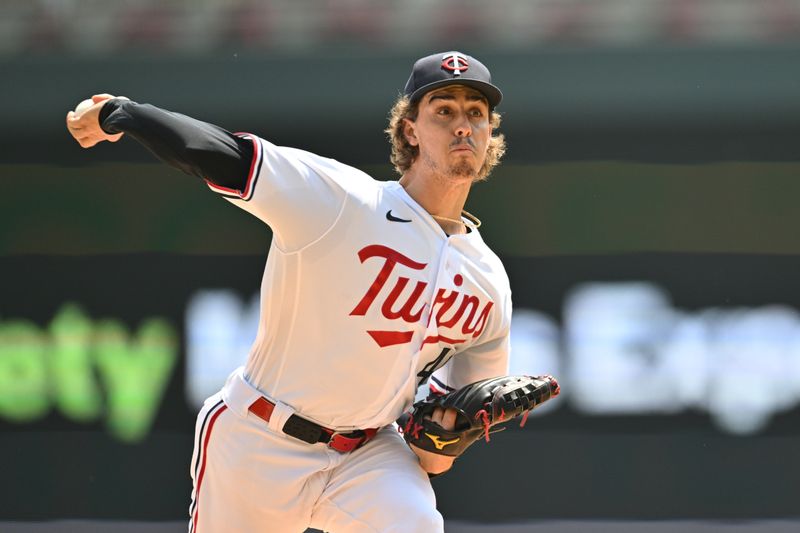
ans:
(623, 349)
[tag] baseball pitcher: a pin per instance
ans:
(371, 288)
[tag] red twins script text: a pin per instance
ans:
(464, 321)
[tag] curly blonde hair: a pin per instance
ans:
(404, 154)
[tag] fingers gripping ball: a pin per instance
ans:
(83, 106)
(480, 406)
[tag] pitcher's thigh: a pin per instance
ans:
(379, 488)
(248, 479)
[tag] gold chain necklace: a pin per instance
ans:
(473, 222)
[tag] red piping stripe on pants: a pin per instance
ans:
(199, 478)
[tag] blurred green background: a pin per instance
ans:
(657, 148)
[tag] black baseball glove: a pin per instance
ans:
(480, 405)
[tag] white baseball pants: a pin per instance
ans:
(249, 477)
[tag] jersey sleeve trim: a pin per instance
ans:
(438, 388)
(252, 176)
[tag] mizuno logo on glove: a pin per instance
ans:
(439, 443)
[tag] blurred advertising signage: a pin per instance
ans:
(87, 370)
(741, 365)
(622, 349)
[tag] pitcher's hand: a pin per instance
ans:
(434, 463)
(85, 125)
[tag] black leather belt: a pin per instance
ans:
(311, 432)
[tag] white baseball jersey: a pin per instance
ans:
(364, 295)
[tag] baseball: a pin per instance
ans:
(83, 106)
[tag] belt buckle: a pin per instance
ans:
(342, 443)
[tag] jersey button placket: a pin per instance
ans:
(441, 280)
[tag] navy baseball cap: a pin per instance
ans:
(451, 68)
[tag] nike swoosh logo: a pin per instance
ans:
(390, 217)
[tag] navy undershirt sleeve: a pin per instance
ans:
(192, 146)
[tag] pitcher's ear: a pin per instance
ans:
(409, 131)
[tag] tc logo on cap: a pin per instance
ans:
(455, 63)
